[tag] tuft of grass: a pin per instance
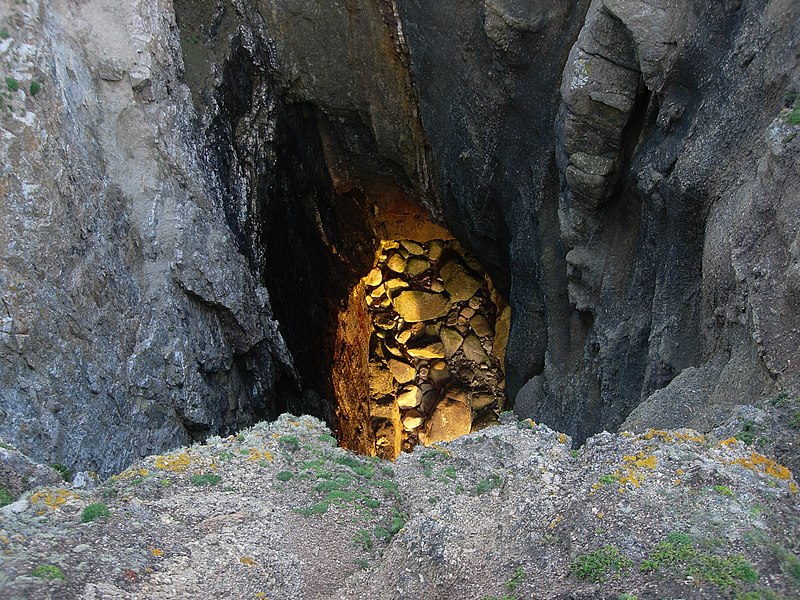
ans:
(94, 511)
(48, 572)
(363, 540)
(627, 596)
(600, 564)
(516, 579)
(724, 490)
(5, 497)
(12, 84)
(793, 118)
(573, 453)
(205, 479)
(320, 508)
(361, 563)
(35, 88)
(487, 485)
(284, 476)
(4, 35)
(609, 479)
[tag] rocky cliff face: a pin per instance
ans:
(196, 187)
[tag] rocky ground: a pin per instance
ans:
(435, 355)
(508, 512)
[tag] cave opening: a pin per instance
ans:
(420, 345)
(397, 333)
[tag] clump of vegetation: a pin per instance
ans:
(35, 88)
(724, 490)
(48, 572)
(609, 479)
(363, 540)
(627, 596)
(794, 420)
(284, 476)
(516, 579)
(487, 485)
(5, 497)
(289, 441)
(678, 552)
(748, 433)
(95, 511)
(205, 479)
(4, 34)
(63, 470)
(601, 564)
(12, 84)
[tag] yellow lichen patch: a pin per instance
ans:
(793, 487)
(761, 464)
(294, 423)
(681, 435)
(176, 463)
(626, 434)
(556, 520)
(256, 455)
(131, 473)
(729, 442)
(247, 561)
(157, 552)
(52, 499)
(642, 460)
(562, 438)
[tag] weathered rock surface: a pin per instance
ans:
(416, 305)
(280, 512)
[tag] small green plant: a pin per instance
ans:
(205, 479)
(225, 456)
(609, 479)
(793, 118)
(5, 497)
(748, 433)
(320, 508)
(4, 35)
(794, 420)
(63, 470)
(780, 400)
(240, 437)
(627, 596)
(723, 490)
(94, 511)
(48, 572)
(35, 88)
(12, 84)
(599, 565)
(284, 476)
(109, 492)
(289, 441)
(363, 540)
(573, 453)
(361, 563)
(516, 579)
(487, 485)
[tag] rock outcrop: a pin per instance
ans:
(192, 191)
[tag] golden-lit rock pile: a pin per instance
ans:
(435, 373)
